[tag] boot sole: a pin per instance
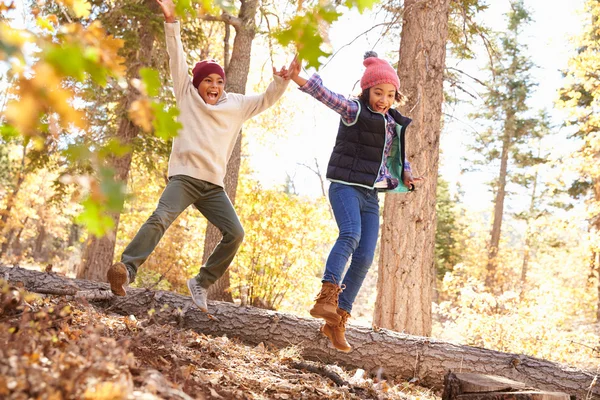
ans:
(328, 335)
(117, 277)
(332, 318)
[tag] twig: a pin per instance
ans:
(321, 371)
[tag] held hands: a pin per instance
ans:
(291, 72)
(168, 9)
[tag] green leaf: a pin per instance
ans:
(9, 132)
(114, 147)
(113, 190)
(361, 5)
(68, 60)
(95, 218)
(76, 152)
(165, 124)
(151, 79)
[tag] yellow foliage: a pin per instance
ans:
(548, 316)
(283, 254)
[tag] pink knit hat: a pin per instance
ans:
(378, 71)
(204, 69)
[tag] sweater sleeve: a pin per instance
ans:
(255, 104)
(177, 62)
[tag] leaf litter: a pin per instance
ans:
(51, 348)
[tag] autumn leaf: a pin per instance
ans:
(140, 113)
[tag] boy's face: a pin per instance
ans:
(382, 97)
(211, 88)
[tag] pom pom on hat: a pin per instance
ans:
(378, 71)
(205, 68)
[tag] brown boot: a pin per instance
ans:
(118, 277)
(337, 333)
(326, 303)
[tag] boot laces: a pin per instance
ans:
(344, 319)
(330, 294)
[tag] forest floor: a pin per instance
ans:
(53, 348)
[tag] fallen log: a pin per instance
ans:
(469, 386)
(420, 359)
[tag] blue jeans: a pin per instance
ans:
(356, 212)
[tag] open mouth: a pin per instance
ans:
(212, 95)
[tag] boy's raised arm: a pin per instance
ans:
(177, 62)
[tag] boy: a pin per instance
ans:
(211, 120)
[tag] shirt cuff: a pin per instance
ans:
(312, 84)
(407, 166)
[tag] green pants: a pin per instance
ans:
(212, 201)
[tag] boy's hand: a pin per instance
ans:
(283, 72)
(168, 9)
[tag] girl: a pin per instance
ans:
(368, 157)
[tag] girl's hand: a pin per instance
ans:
(293, 72)
(409, 181)
(168, 9)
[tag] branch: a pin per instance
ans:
(321, 371)
(224, 17)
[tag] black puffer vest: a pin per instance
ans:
(359, 147)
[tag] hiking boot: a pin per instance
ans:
(198, 294)
(337, 333)
(118, 277)
(326, 303)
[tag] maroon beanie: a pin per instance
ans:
(378, 71)
(204, 69)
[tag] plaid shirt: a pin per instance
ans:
(348, 109)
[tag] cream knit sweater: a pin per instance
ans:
(205, 143)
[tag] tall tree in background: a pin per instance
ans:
(404, 285)
(509, 128)
(238, 67)
(539, 192)
(99, 251)
(581, 96)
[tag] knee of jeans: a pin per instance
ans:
(352, 238)
(236, 234)
(364, 260)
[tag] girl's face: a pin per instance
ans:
(382, 97)
(211, 88)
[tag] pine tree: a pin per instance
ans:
(581, 96)
(508, 126)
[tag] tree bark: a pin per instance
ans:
(400, 355)
(407, 262)
(10, 202)
(238, 67)
(99, 251)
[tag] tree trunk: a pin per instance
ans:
(528, 234)
(596, 228)
(99, 251)
(238, 67)
(38, 246)
(400, 355)
(492, 264)
(404, 284)
(10, 202)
